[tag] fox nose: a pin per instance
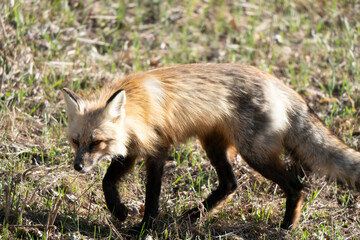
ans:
(78, 166)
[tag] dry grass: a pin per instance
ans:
(313, 46)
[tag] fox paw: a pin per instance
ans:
(286, 225)
(120, 212)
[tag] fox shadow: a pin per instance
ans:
(65, 226)
(214, 228)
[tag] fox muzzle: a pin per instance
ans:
(80, 160)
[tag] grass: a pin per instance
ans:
(313, 46)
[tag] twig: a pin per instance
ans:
(29, 226)
(104, 17)
(23, 176)
(8, 202)
(59, 63)
(91, 41)
(48, 222)
(23, 206)
(113, 228)
(52, 216)
(83, 193)
(3, 27)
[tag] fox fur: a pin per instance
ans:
(226, 106)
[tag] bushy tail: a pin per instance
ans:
(313, 145)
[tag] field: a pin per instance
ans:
(313, 46)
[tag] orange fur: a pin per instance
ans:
(229, 107)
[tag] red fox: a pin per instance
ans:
(225, 106)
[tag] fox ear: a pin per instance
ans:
(115, 104)
(75, 105)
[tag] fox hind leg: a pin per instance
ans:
(216, 149)
(273, 168)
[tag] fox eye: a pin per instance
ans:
(95, 143)
(75, 141)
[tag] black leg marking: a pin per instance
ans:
(216, 148)
(273, 168)
(154, 171)
(118, 168)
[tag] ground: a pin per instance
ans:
(313, 46)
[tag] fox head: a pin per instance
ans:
(95, 129)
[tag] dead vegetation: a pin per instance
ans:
(45, 45)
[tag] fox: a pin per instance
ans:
(226, 106)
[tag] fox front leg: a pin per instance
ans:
(154, 172)
(118, 168)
